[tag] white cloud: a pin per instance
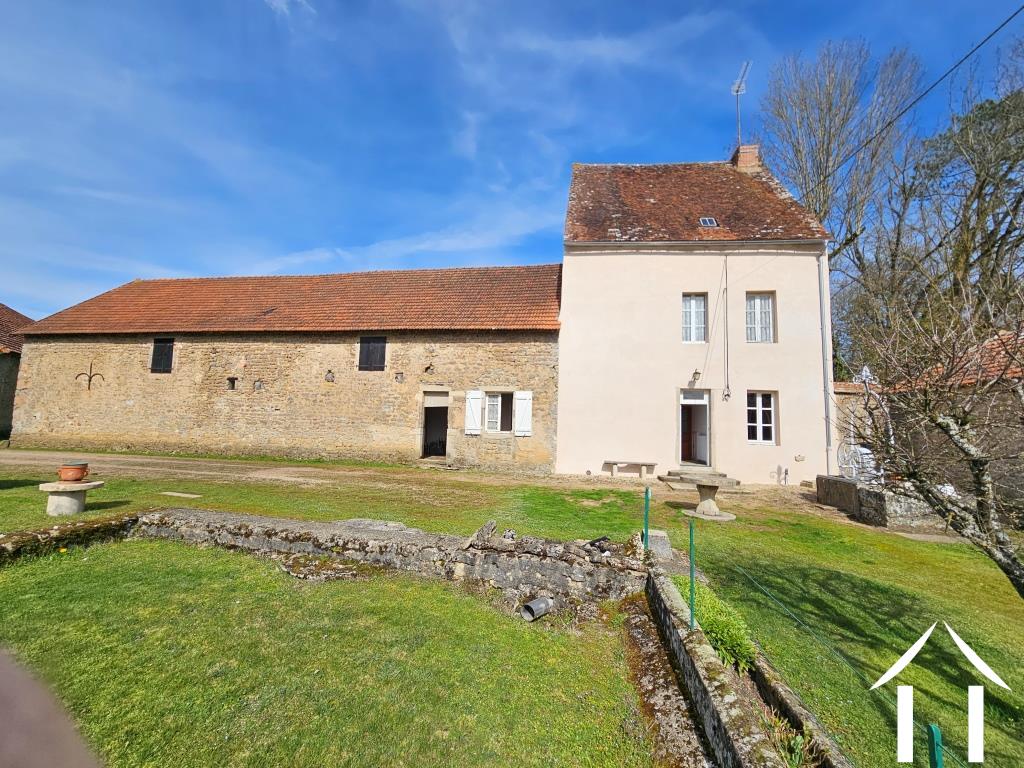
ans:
(657, 47)
(466, 140)
(284, 8)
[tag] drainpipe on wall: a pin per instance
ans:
(727, 392)
(825, 364)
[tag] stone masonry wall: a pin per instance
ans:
(294, 410)
(8, 380)
(522, 569)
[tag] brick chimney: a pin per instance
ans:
(747, 158)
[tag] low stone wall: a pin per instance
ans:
(781, 698)
(77, 533)
(731, 722)
(522, 568)
(875, 506)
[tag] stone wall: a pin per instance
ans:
(873, 505)
(732, 723)
(284, 403)
(521, 569)
(77, 533)
(8, 382)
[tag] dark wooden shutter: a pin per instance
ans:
(163, 356)
(371, 353)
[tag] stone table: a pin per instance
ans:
(707, 489)
(67, 498)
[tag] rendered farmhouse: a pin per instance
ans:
(688, 324)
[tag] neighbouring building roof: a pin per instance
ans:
(487, 298)
(847, 388)
(11, 321)
(664, 203)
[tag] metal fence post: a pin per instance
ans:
(647, 512)
(934, 746)
(693, 578)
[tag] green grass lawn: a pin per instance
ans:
(172, 655)
(870, 596)
(867, 593)
(426, 500)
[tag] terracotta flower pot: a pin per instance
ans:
(72, 473)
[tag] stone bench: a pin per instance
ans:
(67, 498)
(615, 464)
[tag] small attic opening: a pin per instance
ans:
(708, 221)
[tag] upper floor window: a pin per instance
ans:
(163, 356)
(761, 317)
(371, 353)
(761, 417)
(695, 317)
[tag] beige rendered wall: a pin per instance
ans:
(362, 414)
(622, 361)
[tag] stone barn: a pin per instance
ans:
(449, 365)
(11, 322)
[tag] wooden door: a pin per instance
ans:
(686, 433)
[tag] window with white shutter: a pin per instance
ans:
(523, 414)
(761, 318)
(498, 413)
(695, 317)
(474, 407)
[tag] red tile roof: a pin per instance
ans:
(488, 298)
(847, 388)
(11, 321)
(998, 358)
(664, 203)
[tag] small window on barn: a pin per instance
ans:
(232, 382)
(708, 221)
(499, 412)
(163, 356)
(371, 353)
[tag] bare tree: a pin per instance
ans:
(937, 311)
(815, 113)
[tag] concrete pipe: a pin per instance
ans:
(536, 608)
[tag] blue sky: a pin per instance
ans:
(220, 137)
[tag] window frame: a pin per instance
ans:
(757, 312)
(164, 343)
(365, 342)
(500, 421)
(688, 315)
(759, 424)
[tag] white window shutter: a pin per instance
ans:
(474, 405)
(523, 414)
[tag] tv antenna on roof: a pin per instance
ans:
(738, 89)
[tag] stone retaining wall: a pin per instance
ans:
(732, 724)
(781, 698)
(876, 506)
(77, 533)
(524, 568)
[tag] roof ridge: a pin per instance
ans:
(418, 270)
(652, 165)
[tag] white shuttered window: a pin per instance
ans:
(523, 415)
(474, 406)
(761, 317)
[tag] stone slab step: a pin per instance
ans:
(689, 482)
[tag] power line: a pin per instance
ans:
(915, 101)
